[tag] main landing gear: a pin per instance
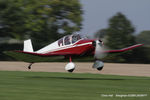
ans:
(70, 67)
(98, 65)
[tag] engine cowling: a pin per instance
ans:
(98, 65)
(70, 67)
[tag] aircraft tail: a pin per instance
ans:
(28, 46)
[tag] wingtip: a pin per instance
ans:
(139, 44)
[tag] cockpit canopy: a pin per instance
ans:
(69, 39)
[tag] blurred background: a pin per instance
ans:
(118, 23)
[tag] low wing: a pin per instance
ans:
(35, 57)
(46, 54)
(124, 49)
(38, 57)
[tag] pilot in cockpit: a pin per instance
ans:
(75, 37)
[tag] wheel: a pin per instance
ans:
(70, 67)
(29, 67)
(71, 70)
(100, 68)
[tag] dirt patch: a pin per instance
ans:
(109, 68)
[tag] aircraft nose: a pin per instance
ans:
(100, 42)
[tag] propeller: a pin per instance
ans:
(99, 50)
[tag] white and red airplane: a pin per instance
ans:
(67, 47)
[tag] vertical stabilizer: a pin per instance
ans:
(28, 46)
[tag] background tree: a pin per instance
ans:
(44, 21)
(119, 34)
(144, 37)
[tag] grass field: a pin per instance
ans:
(70, 86)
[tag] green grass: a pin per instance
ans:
(70, 86)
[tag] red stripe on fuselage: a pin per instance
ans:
(78, 48)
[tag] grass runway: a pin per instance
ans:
(17, 85)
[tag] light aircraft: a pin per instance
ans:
(67, 47)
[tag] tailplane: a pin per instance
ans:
(28, 46)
